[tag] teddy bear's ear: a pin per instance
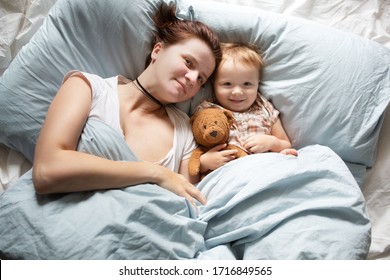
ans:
(229, 116)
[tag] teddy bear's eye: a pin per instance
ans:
(204, 126)
(215, 122)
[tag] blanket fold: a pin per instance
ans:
(266, 206)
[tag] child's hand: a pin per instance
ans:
(258, 143)
(290, 151)
(261, 143)
(216, 157)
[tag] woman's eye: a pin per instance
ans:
(188, 62)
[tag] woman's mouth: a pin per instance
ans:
(183, 87)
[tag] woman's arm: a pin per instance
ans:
(58, 167)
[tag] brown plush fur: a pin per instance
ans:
(211, 127)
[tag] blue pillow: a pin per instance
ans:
(101, 37)
(331, 87)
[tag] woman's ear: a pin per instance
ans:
(156, 49)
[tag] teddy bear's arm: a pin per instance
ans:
(194, 162)
(240, 152)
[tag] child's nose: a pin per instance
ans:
(237, 90)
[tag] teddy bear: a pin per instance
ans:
(210, 127)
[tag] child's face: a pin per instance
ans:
(235, 85)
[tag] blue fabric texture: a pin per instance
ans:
(331, 88)
(266, 206)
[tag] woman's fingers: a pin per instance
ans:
(195, 193)
(179, 185)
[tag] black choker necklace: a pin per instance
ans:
(145, 92)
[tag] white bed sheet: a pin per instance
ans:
(368, 18)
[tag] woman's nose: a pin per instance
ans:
(192, 76)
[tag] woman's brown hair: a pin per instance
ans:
(170, 30)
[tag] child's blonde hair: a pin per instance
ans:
(246, 54)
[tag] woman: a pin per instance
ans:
(184, 55)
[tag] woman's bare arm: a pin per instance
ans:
(58, 167)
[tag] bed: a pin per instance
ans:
(327, 71)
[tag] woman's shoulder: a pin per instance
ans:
(93, 78)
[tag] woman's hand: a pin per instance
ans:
(179, 185)
(216, 157)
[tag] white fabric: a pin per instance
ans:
(19, 20)
(367, 18)
(105, 102)
(183, 142)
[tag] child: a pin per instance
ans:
(257, 127)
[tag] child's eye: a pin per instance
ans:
(247, 84)
(227, 84)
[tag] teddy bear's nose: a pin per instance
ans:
(213, 133)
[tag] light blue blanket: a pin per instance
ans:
(266, 206)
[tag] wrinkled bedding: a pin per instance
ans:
(311, 205)
(369, 18)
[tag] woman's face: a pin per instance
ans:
(236, 85)
(181, 69)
